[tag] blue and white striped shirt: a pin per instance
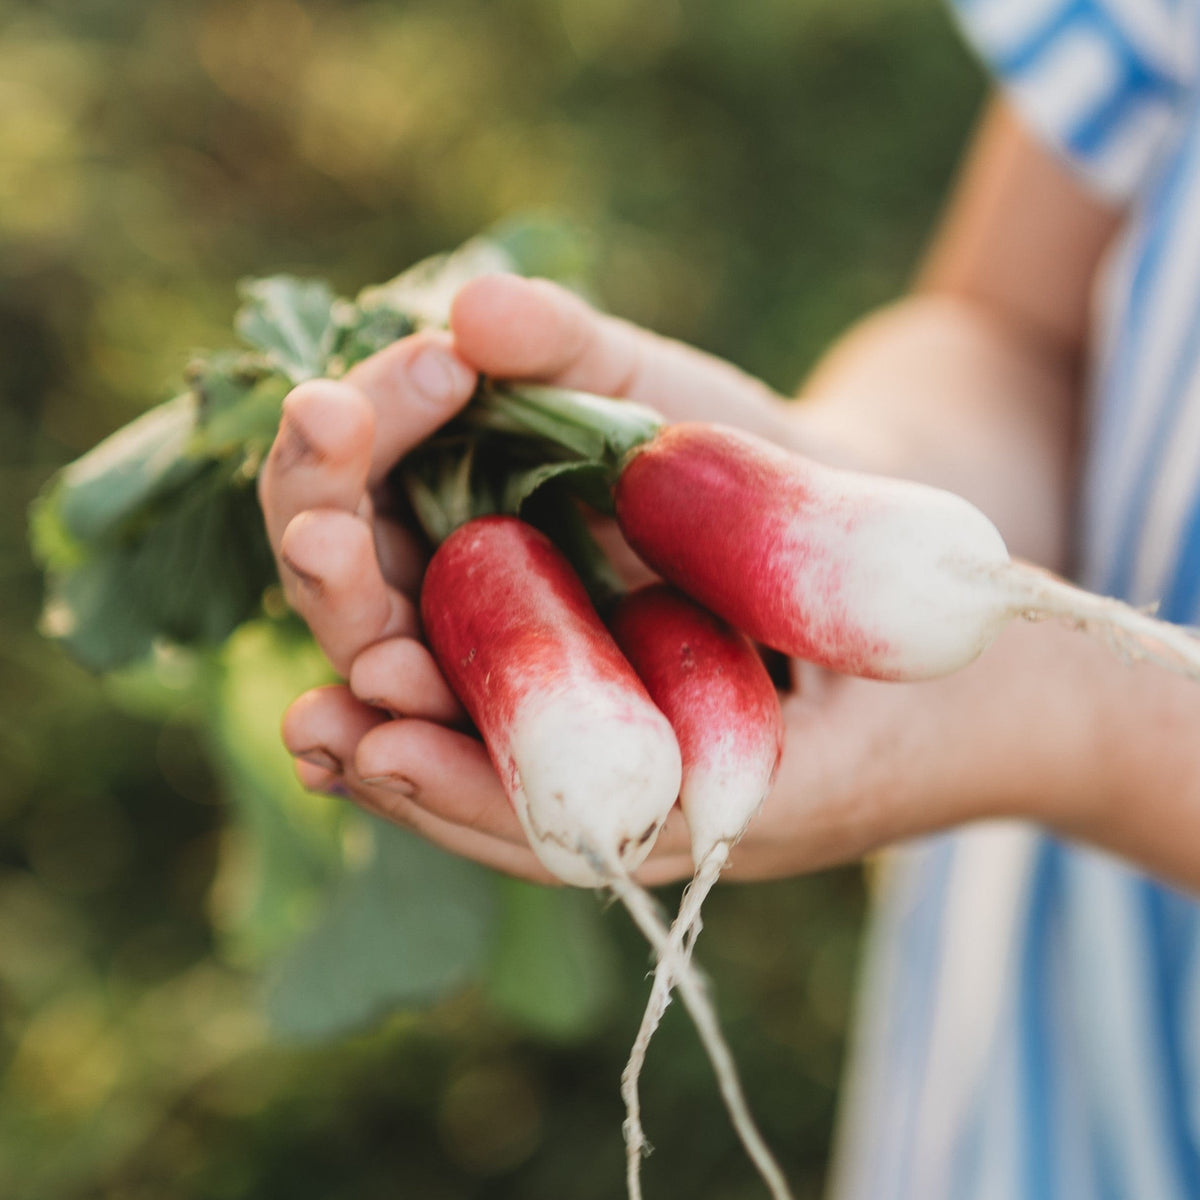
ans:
(1031, 1022)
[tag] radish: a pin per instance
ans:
(713, 687)
(861, 574)
(590, 765)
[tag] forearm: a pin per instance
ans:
(940, 389)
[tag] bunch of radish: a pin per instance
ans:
(595, 739)
(594, 746)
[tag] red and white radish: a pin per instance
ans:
(865, 575)
(590, 765)
(714, 689)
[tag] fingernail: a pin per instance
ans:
(439, 376)
(320, 758)
(391, 782)
(307, 578)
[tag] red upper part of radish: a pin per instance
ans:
(591, 766)
(710, 682)
(862, 574)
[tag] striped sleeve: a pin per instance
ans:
(1102, 82)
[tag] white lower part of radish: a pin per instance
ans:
(591, 779)
(921, 590)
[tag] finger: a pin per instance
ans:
(497, 853)
(414, 387)
(673, 839)
(332, 578)
(318, 779)
(322, 728)
(658, 869)
(320, 456)
(531, 329)
(450, 775)
(441, 770)
(401, 676)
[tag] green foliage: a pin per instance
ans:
(751, 178)
(409, 926)
(554, 967)
(291, 321)
(154, 534)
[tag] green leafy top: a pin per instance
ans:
(155, 533)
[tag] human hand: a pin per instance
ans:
(352, 572)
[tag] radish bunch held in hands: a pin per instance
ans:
(594, 734)
(591, 766)
(864, 575)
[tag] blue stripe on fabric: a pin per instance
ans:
(1107, 1169)
(1034, 1022)
(928, 916)
(1121, 580)
(1094, 131)
(1021, 58)
(1166, 928)
(1121, 574)
(1183, 596)
(1137, 74)
(1184, 593)
(1117, 392)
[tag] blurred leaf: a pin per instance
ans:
(248, 427)
(554, 968)
(425, 290)
(285, 848)
(363, 332)
(291, 321)
(410, 926)
(194, 577)
(93, 498)
(548, 247)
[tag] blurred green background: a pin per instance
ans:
(752, 176)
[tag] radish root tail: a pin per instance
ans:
(691, 989)
(1132, 633)
(684, 931)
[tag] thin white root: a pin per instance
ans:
(641, 909)
(1127, 631)
(684, 931)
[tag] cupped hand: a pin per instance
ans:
(393, 737)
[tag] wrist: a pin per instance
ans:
(1144, 803)
(1024, 732)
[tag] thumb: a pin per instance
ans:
(516, 328)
